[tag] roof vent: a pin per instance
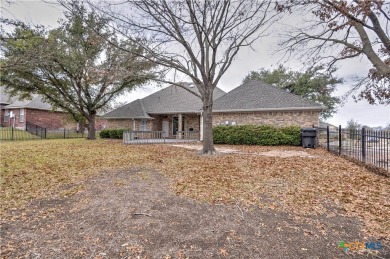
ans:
(191, 85)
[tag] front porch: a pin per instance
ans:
(177, 126)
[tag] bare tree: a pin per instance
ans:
(198, 39)
(343, 30)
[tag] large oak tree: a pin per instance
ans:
(198, 39)
(73, 66)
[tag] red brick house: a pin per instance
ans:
(175, 109)
(16, 113)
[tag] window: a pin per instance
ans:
(21, 115)
(144, 125)
(6, 116)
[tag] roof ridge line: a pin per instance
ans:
(143, 107)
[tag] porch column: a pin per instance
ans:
(180, 125)
(133, 125)
(201, 127)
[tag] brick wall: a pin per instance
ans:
(190, 121)
(16, 121)
(276, 118)
(128, 124)
(49, 119)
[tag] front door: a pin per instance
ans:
(165, 128)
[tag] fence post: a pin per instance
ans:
(12, 133)
(26, 125)
(339, 139)
(45, 133)
(327, 137)
(36, 130)
(64, 133)
(364, 144)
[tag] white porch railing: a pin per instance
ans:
(154, 137)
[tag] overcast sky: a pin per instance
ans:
(263, 56)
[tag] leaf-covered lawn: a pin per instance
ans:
(301, 185)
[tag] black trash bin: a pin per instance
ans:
(309, 137)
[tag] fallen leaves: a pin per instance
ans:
(301, 185)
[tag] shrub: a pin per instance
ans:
(105, 133)
(119, 133)
(265, 135)
(112, 133)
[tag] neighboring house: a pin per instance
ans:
(16, 113)
(175, 109)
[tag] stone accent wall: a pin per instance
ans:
(121, 124)
(192, 121)
(128, 124)
(276, 118)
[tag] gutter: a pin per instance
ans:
(316, 108)
(128, 118)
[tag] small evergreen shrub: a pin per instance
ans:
(119, 133)
(112, 133)
(105, 133)
(264, 135)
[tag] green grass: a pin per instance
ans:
(60, 135)
(17, 134)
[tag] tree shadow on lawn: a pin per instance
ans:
(133, 214)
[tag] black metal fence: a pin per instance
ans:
(36, 131)
(33, 131)
(369, 146)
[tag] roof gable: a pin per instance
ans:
(5, 98)
(176, 99)
(170, 100)
(36, 102)
(133, 110)
(255, 95)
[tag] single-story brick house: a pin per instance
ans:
(15, 112)
(35, 111)
(175, 109)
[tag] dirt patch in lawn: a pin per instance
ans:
(133, 214)
(274, 153)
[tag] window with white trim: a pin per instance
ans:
(21, 115)
(144, 125)
(6, 116)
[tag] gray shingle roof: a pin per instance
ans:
(175, 99)
(256, 95)
(5, 98)
(170, 100)
(133, 110)
(35, 103)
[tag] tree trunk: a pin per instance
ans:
(91, 127)
(208, 142)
